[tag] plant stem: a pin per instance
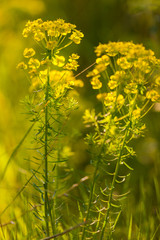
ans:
(113, 182)
(46, 203)
(91, 195)
(117, 168)
(94, 179)
(93, 183)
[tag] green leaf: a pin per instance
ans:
(130, 229)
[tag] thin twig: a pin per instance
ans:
(85, 69)
(66, 231)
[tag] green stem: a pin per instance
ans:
(117, 169)
(91, 195)
(53, 216)
(95, 173)
(93, 183)
(113, 183)
(46, 202)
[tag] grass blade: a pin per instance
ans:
(19, 192)
(15, 151)
(130, 229)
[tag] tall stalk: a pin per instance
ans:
(46, 202)
(99, 158)
(113, 183)
(91, 196)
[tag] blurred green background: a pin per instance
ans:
(100, 21)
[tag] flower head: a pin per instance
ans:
(52, 36)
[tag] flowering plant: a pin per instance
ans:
(125, 75)
(50, 106)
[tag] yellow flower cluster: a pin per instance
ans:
(126, 69)
(52, 36)
(59, 80)
(62, 80)
(72, 62)
(115, 79)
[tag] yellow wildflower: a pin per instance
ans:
(33, 63)
(142, 65)
(39, 36)
(112, 84)
(120, 99)
(100, 67)
(59, 61)
(102, 63)
(51, 34)
(136, 113)
(74, 56)
(28, 52)
(116, 79)
(96, 84)
(131, 88)
(21, 65)
(123, 63)
(153, 95)
(101, 96)
(112, 50)
(110, 98)
(72, 63)
(100, 49)
(76, 37)
(104, 59)
(26, 32)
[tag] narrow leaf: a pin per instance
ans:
(130, 229)
(15, 151)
